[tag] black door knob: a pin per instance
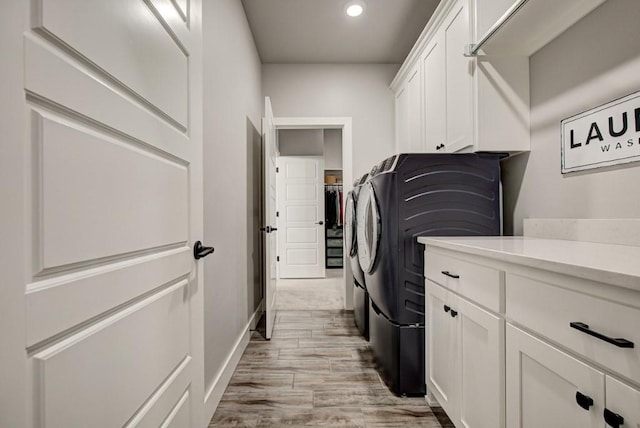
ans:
(200, 251)
(320, 223)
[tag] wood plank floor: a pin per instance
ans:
(316, 371)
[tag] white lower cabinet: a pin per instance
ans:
(442, 348)
(518, 347)
(466, 365)
(481, 367)
(623, 405)
(548, 388)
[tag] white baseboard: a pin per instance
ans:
(431, 400)
(219, 385)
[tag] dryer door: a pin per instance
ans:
(350, 231)
(368, 223)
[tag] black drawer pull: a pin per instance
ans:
(620, 343)
(450, 275)
(584, 401)
(447, 308)
(613, 419)
(454, 313)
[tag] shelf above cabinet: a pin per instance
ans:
(528, 25)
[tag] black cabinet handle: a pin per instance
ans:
(450, 275)
(454, 313)
(447, 308)
(613, 419)
(200, 251)
(620, 343)
(584, 401)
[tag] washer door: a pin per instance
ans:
(368, 223)
(350, 231)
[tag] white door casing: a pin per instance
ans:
(300, 190)
(344, 123)
(270, 242)
(102, 299)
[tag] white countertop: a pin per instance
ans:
(608, 263)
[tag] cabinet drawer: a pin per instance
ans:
(334, 252)
(334, 233)
(549, 310)
(480, 284)
(334, 262)
(334, 242)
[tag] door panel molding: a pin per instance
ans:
(111, 213)
(103, 104)
(56, 305)
(157, 328)
(155, 68)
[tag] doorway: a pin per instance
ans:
(310, 212)
(317, 150)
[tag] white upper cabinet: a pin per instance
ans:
(455, 32)
(409, 136)
(469, 104)
(479, 102)
(435, 98)
(402, 120)
(414, 94)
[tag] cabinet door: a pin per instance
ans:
(459, 79)
(481, 367)
(442, 347)
(543, 386)
(414, 94)
(623, 402)
(433, 70)
(402, 121)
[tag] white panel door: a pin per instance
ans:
(459, 82)
(481, 371)
(269, 242)
(442, 351)
(623, 405)
(414, 92)
(547, 388)
(301, 245)
(435, 105)
(402, 121)
(101, 299)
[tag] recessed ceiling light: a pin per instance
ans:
(354, 8)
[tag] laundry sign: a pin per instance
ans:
(603, 136)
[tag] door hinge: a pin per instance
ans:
(277, 169)
(277, 213)
(277, 258)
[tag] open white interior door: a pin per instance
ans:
(101, 165)
(301, 220)
(269, 230)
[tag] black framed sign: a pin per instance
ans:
(603, 136)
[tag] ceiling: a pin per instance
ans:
(319, 31)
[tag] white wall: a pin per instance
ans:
(300, 142)
(333, 149)
(360, 91)
(232, 124)
(594, 62)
